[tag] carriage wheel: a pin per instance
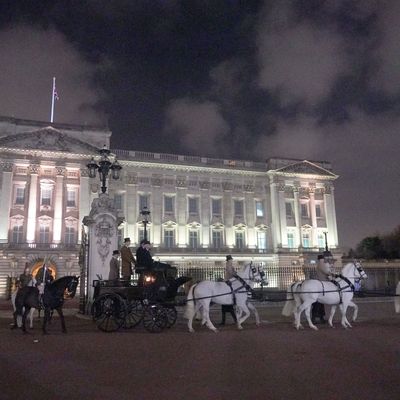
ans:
(134, 313)
(155, 318)
(172, 315)
(109, 312)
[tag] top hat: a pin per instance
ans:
(229, 257)
(144, 241)
(127, 240)
(115, 252)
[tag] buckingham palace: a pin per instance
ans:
(200, 209)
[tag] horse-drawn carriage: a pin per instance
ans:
(125, 304)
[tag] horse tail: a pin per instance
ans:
(189, 308)
(291, 300)
(397, 299)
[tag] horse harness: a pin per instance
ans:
(234, 291)
(339, 288)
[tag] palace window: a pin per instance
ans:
(289, 209)
(45, 196)
(290, 240)
(238, 208)
(304, 210)
(193, 239)
(19, 195)
(306, 239)
(239, 239)
(169, 238)
(70, 235)
(144, 201)
(17, 234)
(259, 208)
(193, 205)
(216, 239)
(261, 240)
(44, 234)
(168, 204)
(71, 197)
(216, 209)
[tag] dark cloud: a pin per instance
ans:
(294, 78)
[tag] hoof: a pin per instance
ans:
(215, 330)
(191, 330)
(240, 327)
(314, 327)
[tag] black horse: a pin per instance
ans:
(52, 299)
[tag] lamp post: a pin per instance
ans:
(104, 167)
(145, 214)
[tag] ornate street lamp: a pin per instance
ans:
(145, 214)
(104, 167)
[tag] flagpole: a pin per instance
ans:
(52, 100)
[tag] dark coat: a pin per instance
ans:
(143, 258)
(114, 269)
(47, 279)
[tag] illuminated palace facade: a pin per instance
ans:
(202, 208)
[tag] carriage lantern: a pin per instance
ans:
(104, 167)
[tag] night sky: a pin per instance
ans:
(307, 79)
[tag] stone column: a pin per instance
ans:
(250, 217)
(58, 205)
(297, 215)
(204, 239)
(314, 238)
(5, 198)
(276, 228)
(131, 208)
(330, 215)
(182, 214)
(103, 222)
(282, 214)
(32, 208)
(228, 214)
(84, 197)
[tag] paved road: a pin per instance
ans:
(273, 361)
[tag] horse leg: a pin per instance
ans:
(331, 315)
(345, 322)
(306, 306)
(61, 314)
(24, 315)
(45, 319)
(355, 313)
(15, 315)
(308, 316)
(256, 315)
(206, 315)
(31, 318)
(192, 316)
(244, 308)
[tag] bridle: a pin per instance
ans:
(361, 272)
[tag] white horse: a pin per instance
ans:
(397, 299)
(340, 292)
(201, 294)
(32, 282)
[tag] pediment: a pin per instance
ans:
(49, 139)
(305, 168)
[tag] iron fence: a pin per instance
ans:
(281, 277)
